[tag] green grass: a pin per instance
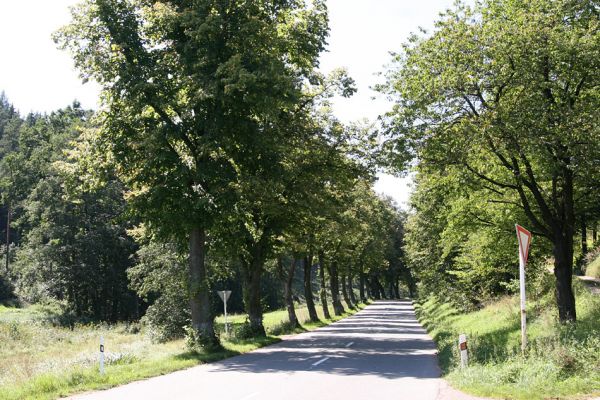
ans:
(41, 360)
(561, 362)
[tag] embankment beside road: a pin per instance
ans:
(562, 361)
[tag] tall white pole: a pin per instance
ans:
(523, 313)
(226, 328)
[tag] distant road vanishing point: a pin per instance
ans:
(382, 352)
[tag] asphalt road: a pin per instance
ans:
(382, 352)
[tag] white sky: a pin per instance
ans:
(38, 77)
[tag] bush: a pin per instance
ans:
(283, 328)
(245, 331)
(167, 318)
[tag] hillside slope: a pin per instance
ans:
(561, 362)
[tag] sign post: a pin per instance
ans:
(524, 239)
(224, 295)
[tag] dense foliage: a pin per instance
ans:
(214, 163)
(499, 107)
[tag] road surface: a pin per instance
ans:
(382, 352)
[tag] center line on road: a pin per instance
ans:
(349, 344)
(251, 395)
(320, 361)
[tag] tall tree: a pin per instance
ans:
(508, 91)
(191, 91)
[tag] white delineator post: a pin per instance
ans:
(102, 355)
(462, 346)
(524, 239)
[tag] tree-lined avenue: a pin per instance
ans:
(380, 352)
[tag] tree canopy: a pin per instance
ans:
(502, 98)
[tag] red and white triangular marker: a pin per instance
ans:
(524, 237)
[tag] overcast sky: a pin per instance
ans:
(37, 77)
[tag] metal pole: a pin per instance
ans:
(523, 313)
(225, 306)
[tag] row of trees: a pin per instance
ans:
(213, 159)
(499, 108)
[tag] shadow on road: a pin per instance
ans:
(385, 339)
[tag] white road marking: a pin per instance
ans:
(320, 361)
(251, 395)
(349, 344)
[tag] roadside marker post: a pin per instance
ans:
(224, 295)
(462, 345)
(524, 239)
(101, 355)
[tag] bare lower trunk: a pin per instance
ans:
(338, 309)
(345, 292)
(361, 287)
(380, 288)
(410, 282)
(594, 236)
(563, 271)
(323, 286)
(7, 240)
(351, 290)
(396, 287)
(377, 291)
(584, 246)
(202, 319)
(308, 292)
(288, 278)
(251, 273)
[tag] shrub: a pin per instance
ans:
(166, 318)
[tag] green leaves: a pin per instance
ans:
(487, 103)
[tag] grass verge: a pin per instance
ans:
(562, 362)
(43, 361)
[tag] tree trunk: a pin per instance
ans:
(308, 292)
(563, 271)
(361, 287)
(345, 292)
(397, 287)
(7, 239)
(584, 246)
(377, 290)
(338, 309)
(251, 292)
(351, 290)
(563, 233)
(202, 319)
(594, 236)
(323, 286)
(287, 290)
(380, 288)
(251, 274)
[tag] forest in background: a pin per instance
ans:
(81, 246)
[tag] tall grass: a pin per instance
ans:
(562, 361)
